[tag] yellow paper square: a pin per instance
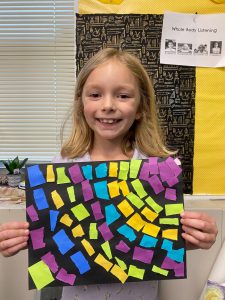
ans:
(119, 273)
(88, 247)
(136, 222)
(65, 219)
(113, 169)
(149, 214)
(124, 187)
(151, 229)
(78, 231)
(113, 189)
(125, 208)
(58, 201)
(171, 234)
(50, 174)
(100, 260)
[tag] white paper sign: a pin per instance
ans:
(193, 40)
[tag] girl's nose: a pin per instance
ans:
(108, 103)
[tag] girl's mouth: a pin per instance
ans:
(109, 121)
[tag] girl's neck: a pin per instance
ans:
(108, 151)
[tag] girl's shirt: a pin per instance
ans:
(146, 290)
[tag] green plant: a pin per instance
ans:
(14, 165)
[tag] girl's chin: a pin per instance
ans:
(109, 138)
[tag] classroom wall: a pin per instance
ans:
(209, 146)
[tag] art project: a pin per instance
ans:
(104, 222)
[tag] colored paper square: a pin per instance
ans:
(149, 214)
(62, 178)
(40, 199)
(102, 261)
(80, 212)
(76, 174)
(136, 222)
(101, 170)
(101, 190)
(58, 201)
(125, 208)
(114, 190)
(62, 241)
(80, 262)
(78, 231)
(88, 172)
(111, 214)
(35, 176)
(113, 169)
(41, 274)
(135, 200)
(170, 194)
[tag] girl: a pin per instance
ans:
(114, 118)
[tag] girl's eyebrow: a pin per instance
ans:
(130, 87)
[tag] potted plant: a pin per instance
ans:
(14, 166)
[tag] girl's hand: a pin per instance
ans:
(200, 230)
(13, 237)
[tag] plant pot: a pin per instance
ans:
(14, 179)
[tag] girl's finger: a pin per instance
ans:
(199, 224)
(11, 243)
(195, 243)
(13, 250)
(197, 215)
(8, 234)
(199, 235)
(14, 225)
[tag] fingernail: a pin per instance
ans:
(26, 231)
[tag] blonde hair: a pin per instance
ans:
(145, 133)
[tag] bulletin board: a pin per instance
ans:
(174, 85)
(209, 142)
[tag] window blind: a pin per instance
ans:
(36, 76)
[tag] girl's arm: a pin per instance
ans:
(13, 237)
(200, 230)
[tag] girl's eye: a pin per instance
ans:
(94, 95)
(124, 96)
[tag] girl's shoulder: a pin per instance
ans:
(138, 154)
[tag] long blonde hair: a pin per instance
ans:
(145, 133)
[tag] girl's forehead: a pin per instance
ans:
(111, 67)
(111, 60)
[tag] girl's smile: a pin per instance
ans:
(111, 101)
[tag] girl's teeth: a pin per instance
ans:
(108, 121)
